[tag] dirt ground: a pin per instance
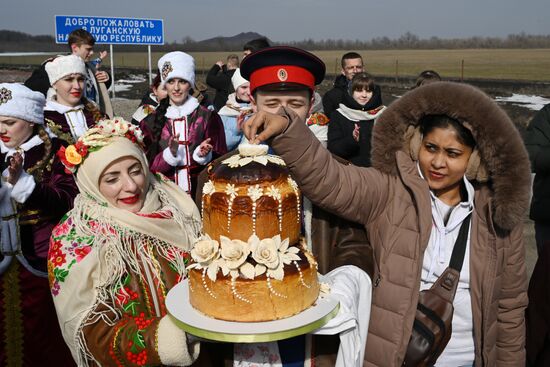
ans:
(127, 102)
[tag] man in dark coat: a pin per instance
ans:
(219, 78)
(352, 63)
(537, 141)
(81, 43)
(537, 315)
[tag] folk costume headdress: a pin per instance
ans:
(177, 64)
(62, 66)
(237, 79)
(123, 241)
(168, 215)
(232, 107)
(20, 102)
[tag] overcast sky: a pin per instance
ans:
(289, 20)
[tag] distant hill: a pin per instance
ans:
(12, 41)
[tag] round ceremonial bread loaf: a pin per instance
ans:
(238, 216)
(255, 300)
(251, 201)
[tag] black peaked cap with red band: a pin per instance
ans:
(282, 65)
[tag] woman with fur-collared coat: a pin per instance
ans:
(407, 217)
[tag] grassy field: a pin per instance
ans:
(509, 64)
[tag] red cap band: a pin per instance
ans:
(281, 74)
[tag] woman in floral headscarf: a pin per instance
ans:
(116, 254)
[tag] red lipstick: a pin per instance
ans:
(130, 200)
(5, 138)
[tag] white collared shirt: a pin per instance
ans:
(460, 351)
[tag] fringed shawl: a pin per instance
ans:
(96, 245)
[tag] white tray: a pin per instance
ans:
(195, 323)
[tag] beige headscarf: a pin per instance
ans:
(123, 241)
(169, 217)
(161, 195)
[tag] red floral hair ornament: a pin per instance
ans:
(95, 138)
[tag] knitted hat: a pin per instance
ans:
(237, 80)
(65, 65)
(20, 102)
(177, 64)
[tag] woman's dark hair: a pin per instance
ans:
(430, 122)
(256, 44)
(156, 81)
(91, 107)
(361, 81)
(427, 77)
(38, 169)
(160, 117)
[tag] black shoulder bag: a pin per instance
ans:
(432, 326)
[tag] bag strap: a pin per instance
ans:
(459, 250)
(445, 286)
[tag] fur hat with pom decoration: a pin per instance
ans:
(177, 64)
(20, 102)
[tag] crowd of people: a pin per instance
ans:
(429, 193)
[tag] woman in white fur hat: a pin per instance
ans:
(35, 192)
(68, 113)
(235, 110)
(184, 136)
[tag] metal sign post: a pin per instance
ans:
(112, 70)
(113, 31)
(150, 68)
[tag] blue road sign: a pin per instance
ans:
(108, 30)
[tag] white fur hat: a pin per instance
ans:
(237, 79)
(177, 64)
(20, 102)
(65, 65)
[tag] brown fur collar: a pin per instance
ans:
(499, 143)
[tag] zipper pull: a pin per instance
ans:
(377, 280)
